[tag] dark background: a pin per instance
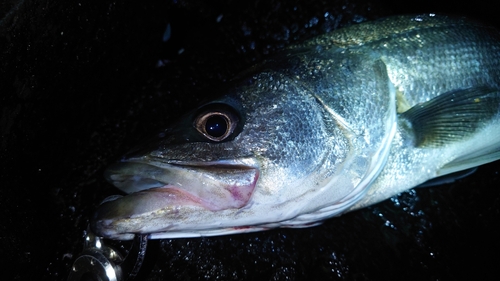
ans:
(83, 82)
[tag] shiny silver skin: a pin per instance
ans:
(339, 122)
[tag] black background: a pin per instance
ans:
(83, 82)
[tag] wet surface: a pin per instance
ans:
(81, 84)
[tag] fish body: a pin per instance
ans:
(334, 124)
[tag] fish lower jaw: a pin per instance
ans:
(207, 233)
(227, 231)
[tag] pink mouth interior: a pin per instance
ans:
(215, 198)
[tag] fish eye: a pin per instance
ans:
(216, 125)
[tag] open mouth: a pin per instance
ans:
(212, 185)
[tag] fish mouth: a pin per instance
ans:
(217, 185)
(154, 186)
(213, 185)
(171, 193)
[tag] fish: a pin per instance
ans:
(327, 126)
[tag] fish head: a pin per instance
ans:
(255, 159)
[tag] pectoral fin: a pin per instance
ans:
(467, 118)
(452, 116)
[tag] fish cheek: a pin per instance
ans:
(288, 138)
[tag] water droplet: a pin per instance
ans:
(167, 33)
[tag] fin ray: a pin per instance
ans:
(452, 116)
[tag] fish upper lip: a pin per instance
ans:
(238, 163)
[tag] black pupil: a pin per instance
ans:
(216, 126)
